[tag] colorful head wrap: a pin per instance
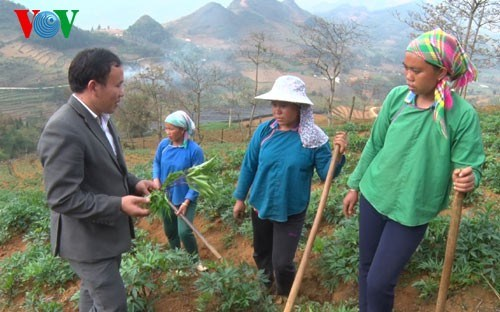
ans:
(181, 119)
(311, 135)
(443, 50)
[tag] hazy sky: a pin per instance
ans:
(121, 14)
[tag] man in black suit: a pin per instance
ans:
(89, 189)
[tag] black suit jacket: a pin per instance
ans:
(84, 182)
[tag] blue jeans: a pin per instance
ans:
(385, 247)
(275, 244)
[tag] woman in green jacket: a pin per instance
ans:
(425, 140)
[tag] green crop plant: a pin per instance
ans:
(339, 259)
(427, 287)
(142, 171)
(476, 256)
(197, 177)
(313, 306)
(36, 268)
(357, 142)
(158, 205)
(35, 302)
(491, 173)
(19, 211)
(214, 207)
(147, 269)
(231, 288)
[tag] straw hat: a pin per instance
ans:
(288, 89)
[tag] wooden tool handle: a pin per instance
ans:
(209, 246)
(451, 244)
(317, 220)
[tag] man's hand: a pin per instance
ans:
(134, 206)
(157, 184)
(144, 187)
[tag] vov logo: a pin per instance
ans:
(46, 24)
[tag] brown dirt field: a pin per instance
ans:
(25, 50)
(13, 245)
(472, 299)
(475, 298)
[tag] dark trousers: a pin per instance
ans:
(178, 231)
(275, 244)
(101, 287)
(385, 246)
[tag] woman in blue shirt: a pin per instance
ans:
(174, 153)
(277, 170)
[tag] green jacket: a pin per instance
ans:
(406, 166)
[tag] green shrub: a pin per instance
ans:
(147, 270)
(476, 256)
(20, 212)
(34, 267)
(231, 288)
(339, 260)
(356, 142)
(491, 174)
(143, 171)
(313, 306)
(35, 302)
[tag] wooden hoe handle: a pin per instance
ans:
(209, 246)
(451, 244)
(310, 240)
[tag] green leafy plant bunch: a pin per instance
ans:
(197, 177)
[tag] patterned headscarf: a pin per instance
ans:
(443, 50)
(181, 119)
(310, 134)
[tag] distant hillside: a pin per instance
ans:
(216, 32)
(240, 18)
(212, 26)
(8, 22)
(389, 36)
(147, 30)
(211, 20)
(34, 61)
(286, 12)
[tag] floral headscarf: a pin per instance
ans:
(310, 134)
(181, 119)
(443, 50)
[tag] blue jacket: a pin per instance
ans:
(279, 170)
(171, 158)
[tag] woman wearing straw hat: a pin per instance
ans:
(277, 170)
(425, 140)
(174, 153)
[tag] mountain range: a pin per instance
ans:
(37, 61)
(238, 19)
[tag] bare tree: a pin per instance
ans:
(239, 92)
(199, 77)
(256, 48)
(146, 101)
(155, 83)
(329, 46)
(133, 115)
(473, 22)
